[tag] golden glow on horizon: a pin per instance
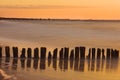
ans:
(75, 9)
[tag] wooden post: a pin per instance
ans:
(66, 53)
(49, 58)
(15, 52)
(29, 53)
(108, 53)
(113, 53)
(55, 53)
(61, 53)
(43, 52)
(72, 55)
(98, 53)
(7, 51)
(77, 53)
(0, 52)
(89, 54)
(103, 55)
(93, 53)
(82, 52)
(71, 58)
(49, 55)
(36, 53)
(23, 53)
(116, 53)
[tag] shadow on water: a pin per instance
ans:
(82, 65)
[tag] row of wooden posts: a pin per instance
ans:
(76, 53)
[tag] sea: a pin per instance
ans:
(58, 34)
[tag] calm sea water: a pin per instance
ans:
(60, 33)
(57, 34)
(30, 69)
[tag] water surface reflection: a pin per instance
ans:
(13, 67)
(62, 65)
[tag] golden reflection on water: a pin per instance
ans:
(57, 68)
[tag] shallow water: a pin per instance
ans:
(31, 69)
(58, 34)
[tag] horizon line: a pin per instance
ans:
(67, 19)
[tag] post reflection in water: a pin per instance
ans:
(28, 63)
(14, 64)
(35, 63)
(82, 65)
(42, 64)
(7, 62)
(55, 64)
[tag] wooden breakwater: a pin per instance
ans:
(63, 53)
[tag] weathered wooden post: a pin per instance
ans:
(72, 55)
(77, 53)
(117, 53)
(0, 52)
(36, 53)
(29, 53)
(55, 53)
(49, 55)
(108, 53)
(103, 55)
(98, 53)
(15, 52)
(7, 51)
(71, 58)
(66, 53)
(23, 53)
(61, 54)
(112, 54)
(43, 52)
(89, 54)
(82, 52)
(49, 58)
(93, 53)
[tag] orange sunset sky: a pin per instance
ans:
(72, 9)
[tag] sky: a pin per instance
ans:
(65, 9)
